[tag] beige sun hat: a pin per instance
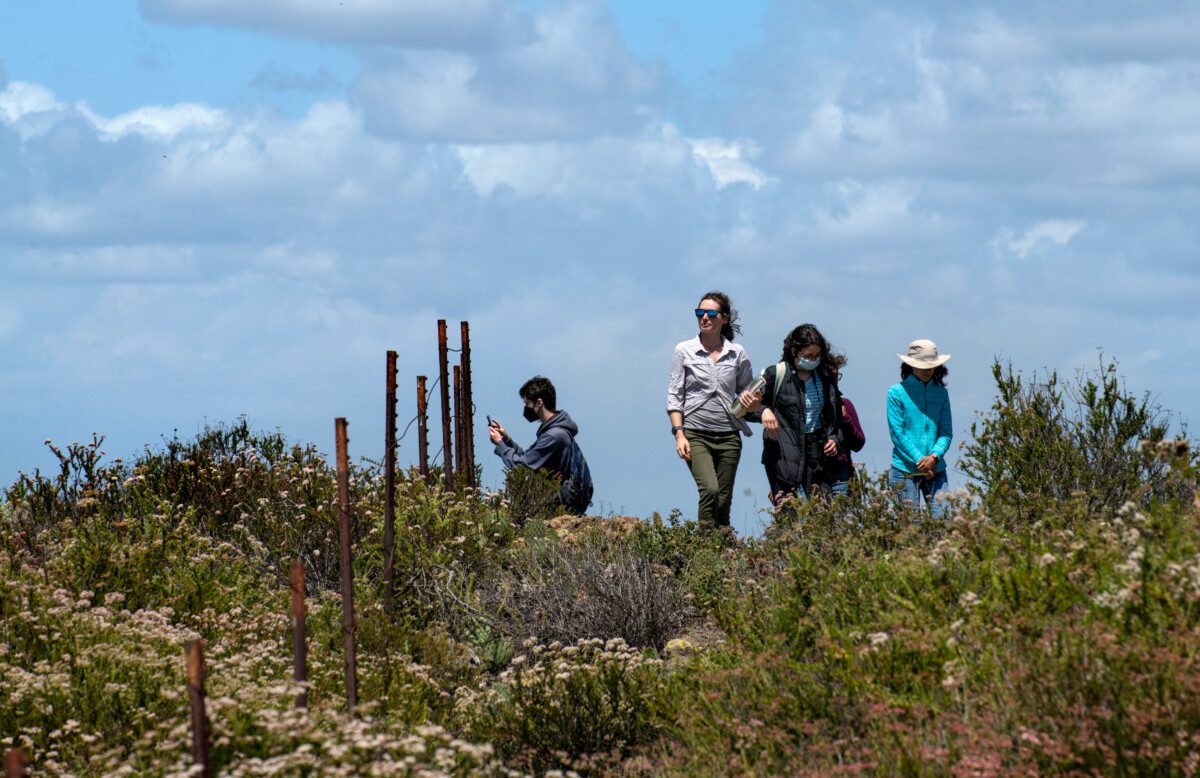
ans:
(923, 354)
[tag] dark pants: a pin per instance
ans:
(714, 464)
(815, 479)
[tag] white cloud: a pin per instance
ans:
(1148, 357)
(864, 211)
(990, 39)
(19, 99)
(144, 263)
(289, 259)
(412, 23)
(1052, 232)
(589, 172)
(198, 261)
(28, 108)
(461, 71)
(162, 122)
(47, 217)
(572, 78)
(729, 161)
(166, 263)
(961, 95)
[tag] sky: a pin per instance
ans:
(212, 208)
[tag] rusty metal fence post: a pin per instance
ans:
(199, 718)
(389, 486)
(444, 378)
(299, 633)
(468, 405)
(459, 449)
(422, 428)
(347, 565)
(14, 763)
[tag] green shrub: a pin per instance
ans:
(577, 706)
(444, 541)
(1045, 442)
(1059, 646)
(596, 587)
(531, 495)
(275, 500)
(710, 565)
(1043, 628)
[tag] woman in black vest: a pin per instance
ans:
(803, 419)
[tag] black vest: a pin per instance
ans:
(786, 458)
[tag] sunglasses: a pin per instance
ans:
(702, 312)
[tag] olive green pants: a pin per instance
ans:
(714, 464)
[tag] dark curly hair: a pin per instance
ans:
(731, 327)
(837, 360)
(939, 373)
(540, 388)
(806, 335)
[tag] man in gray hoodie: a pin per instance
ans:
(552, 449)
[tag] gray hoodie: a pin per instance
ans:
(548, 452)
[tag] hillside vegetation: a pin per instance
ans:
(1051, 626)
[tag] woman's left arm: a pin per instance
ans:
(745, 374)
(945, 431)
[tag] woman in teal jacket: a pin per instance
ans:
(918, 412)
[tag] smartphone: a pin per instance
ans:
(490, 422)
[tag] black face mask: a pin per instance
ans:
(530, 414)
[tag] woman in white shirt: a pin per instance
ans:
(708, 372)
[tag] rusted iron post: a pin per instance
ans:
(422, 428)
(468, 404)
(389, 486)
(299, 633)
(14, 763)
(459, 448)
(347, 565)
(195, 682)
(444, 378)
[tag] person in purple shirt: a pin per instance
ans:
(853, 438)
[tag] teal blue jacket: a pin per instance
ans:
(918, 417)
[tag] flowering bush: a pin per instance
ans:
(963, 647)
(594, 587)
(588, 703)
(1036, 631)
(1047, 441)
(79, 674)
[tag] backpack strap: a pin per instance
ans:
(780, 377)
(565, 438)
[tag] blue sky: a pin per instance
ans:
(216, 208)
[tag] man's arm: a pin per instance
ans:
(507, 447)
(543, 450)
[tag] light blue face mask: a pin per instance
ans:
(807, 364)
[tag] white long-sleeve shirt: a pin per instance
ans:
(695, 379)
